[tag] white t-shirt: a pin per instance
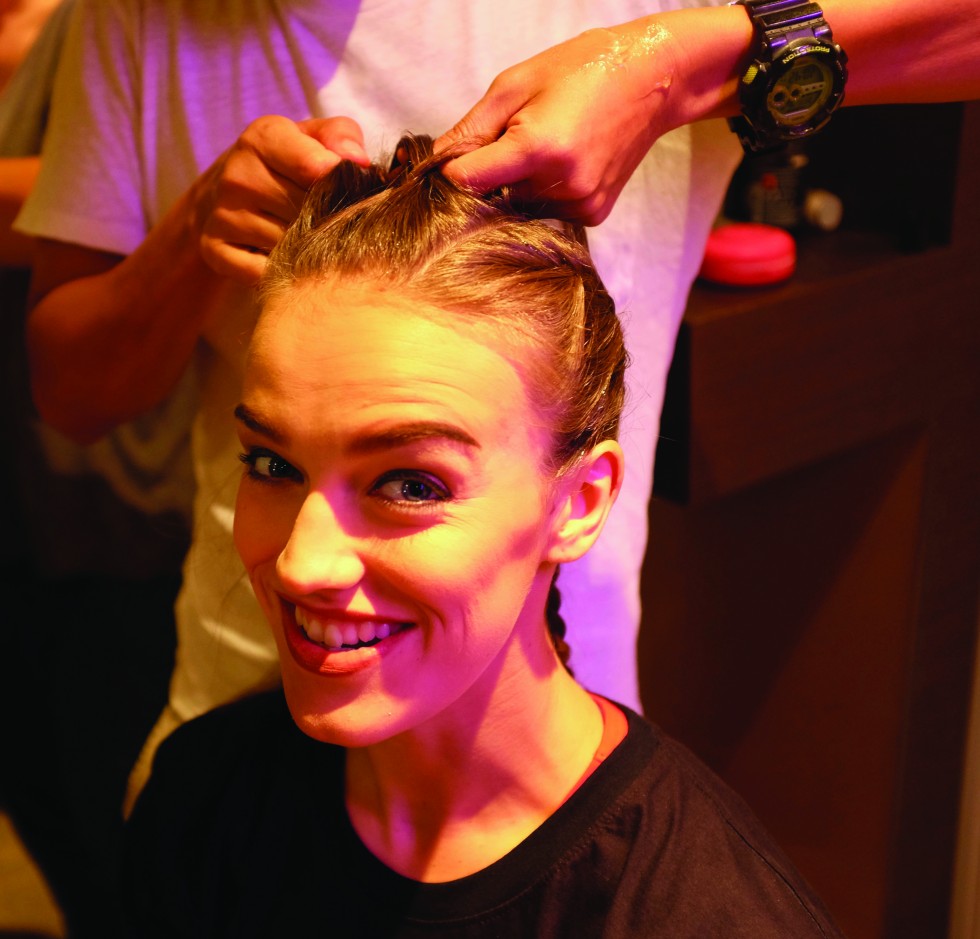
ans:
(150, 92)
(147, 460)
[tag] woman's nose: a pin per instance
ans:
(320, 553)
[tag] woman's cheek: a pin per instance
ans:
(260, 532)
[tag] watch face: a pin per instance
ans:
(801, 91)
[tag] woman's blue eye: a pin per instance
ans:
(265, 465)
(403, 486)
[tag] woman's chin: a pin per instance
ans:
(350, 723)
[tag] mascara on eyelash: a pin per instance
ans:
(251, 457)
(439, 489)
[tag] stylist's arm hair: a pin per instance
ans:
(568, 127)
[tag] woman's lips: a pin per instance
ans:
(336, 642)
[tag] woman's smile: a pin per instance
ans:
(335, 642)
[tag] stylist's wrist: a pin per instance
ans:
(709, 47)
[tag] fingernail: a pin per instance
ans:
(352, 150)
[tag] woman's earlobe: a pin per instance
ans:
(588, 494)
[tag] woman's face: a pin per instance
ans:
(393, 516)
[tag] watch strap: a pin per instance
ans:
(779, 21)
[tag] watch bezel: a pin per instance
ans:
(754, 92)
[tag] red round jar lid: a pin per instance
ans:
(748, 254)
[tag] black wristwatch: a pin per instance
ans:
(796, 78)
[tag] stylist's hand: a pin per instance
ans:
(568, 127)
(245, 201)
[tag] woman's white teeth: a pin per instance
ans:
(332, 636)
(365, 632)
(314, 629)
(336, 635)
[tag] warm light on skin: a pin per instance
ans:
(351, 394)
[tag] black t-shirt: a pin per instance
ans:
(242, 833)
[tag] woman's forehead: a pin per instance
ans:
(371, 349)
(310, 315)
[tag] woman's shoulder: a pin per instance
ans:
(265, 712)
(700, 851)
(213, 758)
(238, 750)
(226, 790)
(233, 733)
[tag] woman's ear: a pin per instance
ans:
(586, 495)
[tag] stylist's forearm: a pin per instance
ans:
(923, 52)
(709, 48)
(908, 52)
(108, 346)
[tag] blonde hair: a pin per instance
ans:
(478, 257)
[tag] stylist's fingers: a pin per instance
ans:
(566, 129)
(543, 201)
(499, 141)
(489, 167)
(489, 117)
(342, 136)
(253, 191)
(591, 210)
(548, 176)
(281, 147)
(540, 138)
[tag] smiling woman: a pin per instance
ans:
(428, 427)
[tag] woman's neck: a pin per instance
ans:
(446, 800)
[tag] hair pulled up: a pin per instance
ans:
(477, 256)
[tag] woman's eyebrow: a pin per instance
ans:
(253, 423)
(401, 435)
(404, 435)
